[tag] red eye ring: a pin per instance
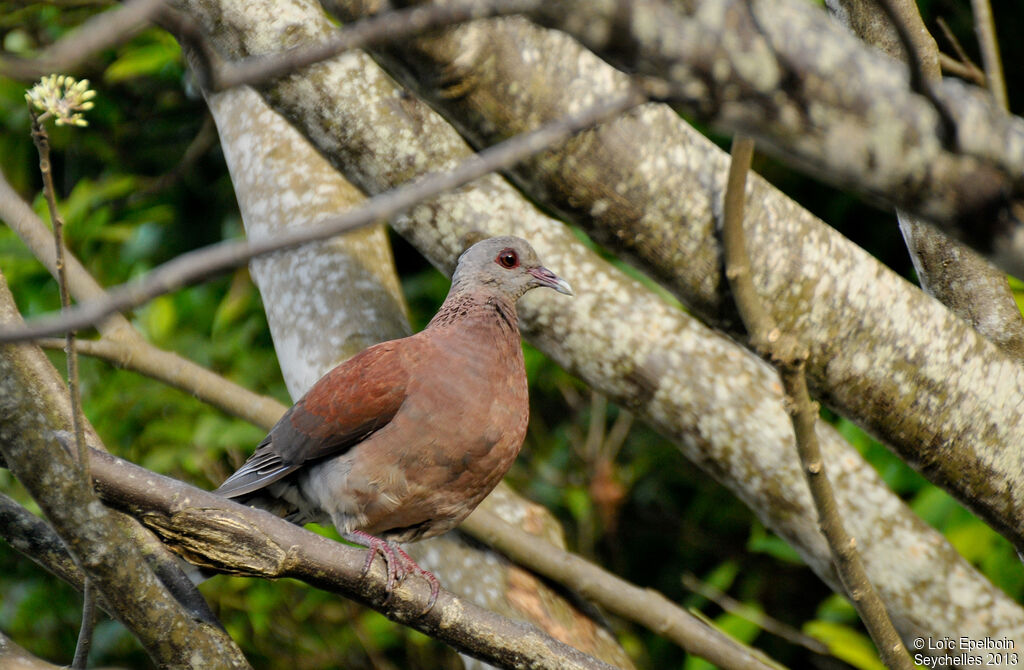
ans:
(507, 258)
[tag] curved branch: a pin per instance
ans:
(789, 356)
(644, 606)
(784, 73)
(217, 533)
(208, 261)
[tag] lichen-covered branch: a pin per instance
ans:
(214, 532)
(647, 185)
(784, 73)
(952, 273)
(721, 404)
(103, 549)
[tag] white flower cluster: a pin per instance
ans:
(63, 98)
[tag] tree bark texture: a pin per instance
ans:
(951, 272)
(650, 187)
(326, 302)
(783, 72)
(33, 405)
(720, 403)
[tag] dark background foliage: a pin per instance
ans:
(146, 181)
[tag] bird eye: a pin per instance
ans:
(508, 258)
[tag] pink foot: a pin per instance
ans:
(396, 561)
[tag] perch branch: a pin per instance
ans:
(790, 358)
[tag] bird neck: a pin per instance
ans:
(462, 307)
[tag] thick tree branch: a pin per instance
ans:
(385, 29)
(203, 263)
(217, 533)
(954, 274)
(720, 404)
(784, 73)
(103, 549)
(648, 186)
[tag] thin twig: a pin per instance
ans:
(99, 32)
(373, 31)
(985, 29)
(84, 643)
(138, 355)
(790, 358)
(964, 67)
(42, 142)
(646, 607)
(960, 69)
(204, 263)
(762, 620)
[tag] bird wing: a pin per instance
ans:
(344, 407)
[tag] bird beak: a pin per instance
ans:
(548, 278)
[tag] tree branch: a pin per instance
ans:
(643, 186)
(204, 263)
(28, 417)
(718, 403)
(789, 357)
(217, 533)
(100, 32)
(952, 273)
(985, 29)
(383, 29)
(784, 73)
(645, 606)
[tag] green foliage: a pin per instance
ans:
(656, 517)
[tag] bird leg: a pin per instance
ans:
(397, 563)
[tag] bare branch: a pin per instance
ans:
(789, 356)
(139, 356)
(754, 615)
(203, 263)
(985, 28)
(964, 67)
(100, 32)
(383, 29)
(646, 607)
(214, 532)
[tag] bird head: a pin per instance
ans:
(507, 265)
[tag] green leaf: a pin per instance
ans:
(846, 644)
(159, 318)
(765, 542)
(148, 59)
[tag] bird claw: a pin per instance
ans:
(397, 563)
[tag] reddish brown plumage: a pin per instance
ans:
(403, 440)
